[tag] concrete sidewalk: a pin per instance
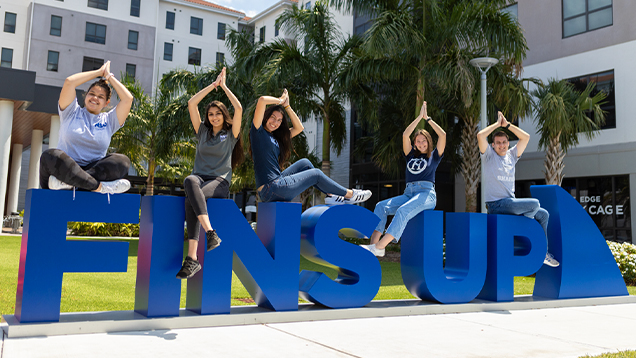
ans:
(549, 332)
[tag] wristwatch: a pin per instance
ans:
(508, 126)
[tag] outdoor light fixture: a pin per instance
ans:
(483, 64)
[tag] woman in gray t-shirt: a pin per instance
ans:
(219, 150)
(80, 161)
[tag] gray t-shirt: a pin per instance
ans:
(84, 136)
(499, 174)
(214, 155)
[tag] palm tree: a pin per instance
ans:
(424, 47)
(307, 66)
(155, 136)
(562, 115)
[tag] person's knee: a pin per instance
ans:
(51, 154)
(189, 182)
(306, 163)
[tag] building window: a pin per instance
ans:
(131, 70)
(91, 63)
(196, 25)
(133, 39)
(56, 26)
(7, 57)
(220, 58)
(9, 22)
(135, 7)
(51, 62)
(261, 38)
(167, 51)
(194, 56)
(98, 4)
(308, 5)
(221, 31)
(604, 82)
(581, 16)
(276, 28)
(512, 10)
(170, 20)
(95, 33)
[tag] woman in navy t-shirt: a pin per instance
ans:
(270, 144)
(422, 159)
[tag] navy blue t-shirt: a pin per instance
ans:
(265, 152)
(420, 168)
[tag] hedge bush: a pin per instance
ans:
(625, 256)
(103, 229)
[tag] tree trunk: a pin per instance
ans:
(553, 164)
(150, 182)
(326, 148)
(470, 166)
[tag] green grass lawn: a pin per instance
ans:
(116, 291)
(624, 354)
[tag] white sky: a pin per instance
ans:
(249, 7)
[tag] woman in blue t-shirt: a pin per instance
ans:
(80, 160)
(219, 150)
(422, 160)
(270, 144)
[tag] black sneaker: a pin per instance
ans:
(190, 268)
(213, 240)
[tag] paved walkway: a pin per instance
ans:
(549, 332)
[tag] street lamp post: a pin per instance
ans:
(483, 64)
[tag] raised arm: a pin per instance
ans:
(406, 136)
(262, 103)
(193, 104)
(482, 136)
(67, 95)
(297, 125)
(524, 137)
(238, 109)
(125, 97)
(441, 137)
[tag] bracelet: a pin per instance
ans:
(508, 126)
(287, 106)
(108, 76)
(428, 119)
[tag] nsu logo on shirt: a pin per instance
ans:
(417, 165)
(101, 124)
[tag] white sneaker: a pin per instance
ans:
(550, 260)
(115, 187)
(373, 250)
(358, 196)
(57, 184)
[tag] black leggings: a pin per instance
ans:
(198, 189)
(58, 164)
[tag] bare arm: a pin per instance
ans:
(297, 125)
(523, 136)
(238, 109)
(406, 136)
(441, 137)
(482, 136)
(263, 101)
(193, 103)
(125, 97)
(67, 95)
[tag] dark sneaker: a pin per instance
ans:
(213, 240)
(190, 268)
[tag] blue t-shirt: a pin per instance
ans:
(420, 168)
(84, 136)
(265, 152)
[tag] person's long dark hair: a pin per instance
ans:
(282, 134)
(237, 153)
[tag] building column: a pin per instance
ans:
(632, 203)
(54, 133)
(6, 124)
(14, 179)
(34, 162)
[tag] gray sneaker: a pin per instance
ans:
(57, 184)
(373, 250)
(358, 196)
(115, 187)
(213, 240)
(550, 260)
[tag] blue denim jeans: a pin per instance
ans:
(418, 196)
(527, 207)
(295, 179)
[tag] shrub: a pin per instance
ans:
(103, 229)
(625, 256)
